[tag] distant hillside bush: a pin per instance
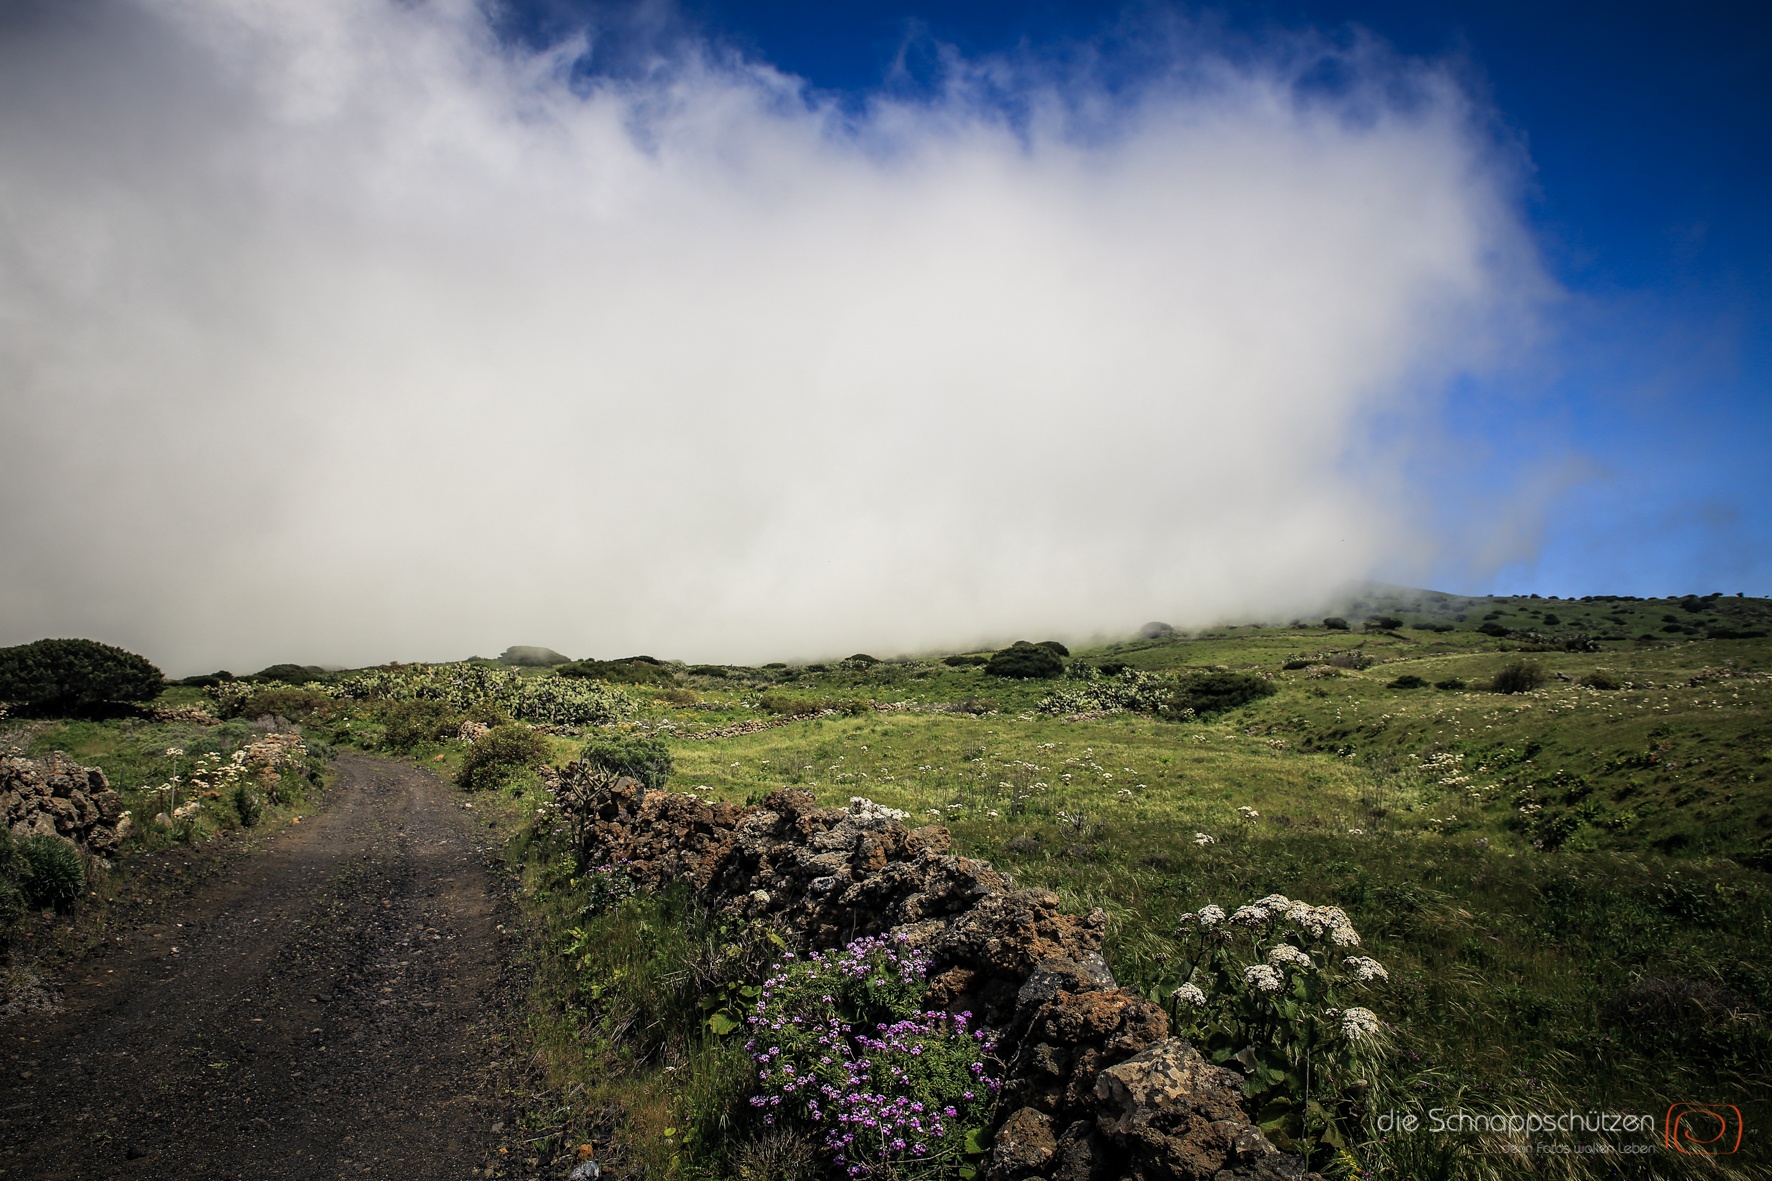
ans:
(291, 674)
(75, 675)
(1208, 693)
(965, 661)
(635, 670)
(1408, 681)
(1027, 661)
(1335, 623)
(1053, 646)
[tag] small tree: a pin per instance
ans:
(1335, 623)
(75, 675)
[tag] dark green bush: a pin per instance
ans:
(645, 759)
(635, 670)
(1522, 676)
(205, 680)
(1025, 660)
(1295, 665)
(1209, 693)
(862, 658)
(74, 675)
(1449, 683)
(1599, 679)
(291, 674)
(411, 724)
(500, 756)
(53, 873)
(1493, 629)
(1408, 681)
(965, 661)
(1383, 623)
(1054, 647)
(710, 670)
(247, 804)
(783, 705)
(1335, 623)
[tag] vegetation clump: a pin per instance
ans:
(52, 874)
(1519, 676)
(1203, 694)
(1026, 661)
(72, 676)
(645, 759)
(500, 756)
(1408, 681)
(844, 1045)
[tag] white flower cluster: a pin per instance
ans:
(1366, 969)
(1359, 1024)
(1190, 994)
(1285, 955)
(1207, 917)
(1248, 813)
(1262, 977)
(1203, 839)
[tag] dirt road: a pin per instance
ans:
(329, 1007)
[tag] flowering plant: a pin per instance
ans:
(841, 1041)
(1265, 989)
(555, 700)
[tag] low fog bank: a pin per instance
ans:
(340, 332)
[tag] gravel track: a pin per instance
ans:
(333, 1006)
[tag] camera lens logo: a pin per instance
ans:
(1702, 1129)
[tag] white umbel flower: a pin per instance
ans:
(1203, 839)
(1210, 915)
(1366, 969)
(1262, 977)
(1191, 994)
(1359, 1024)
(1286, 954)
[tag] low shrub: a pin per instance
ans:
(75, 676)
(503, 754)
(53, 873)
(1335, 623)
(242, 699)
(1600, 679)
(965, 661)
(1025, 661)
(247, 805)
(645, 759)
(1295, 665)
(782, 705)
(710, 670)
(1383, 623)
(1493, 629)
(680, 696)
(1521, 676)
(1408, 681)
(409, 725)
(1054, 647)
(863, 659)
(1207, 693)
(1449, 683)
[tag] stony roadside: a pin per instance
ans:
(339, 1002)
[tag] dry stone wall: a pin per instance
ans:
(1095, 1088)
(55, 796)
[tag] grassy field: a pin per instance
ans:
(1568, 885)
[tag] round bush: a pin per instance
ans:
(504, 753)
(1214, 692)
(75, 674)
(645, 759)
(1408, 681)
(1522, 676)
(1335, 623)
(53, 875)
(1449, 683)
(1025, 660)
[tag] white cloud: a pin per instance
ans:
(337, 330)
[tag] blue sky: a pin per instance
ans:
(1647, 134)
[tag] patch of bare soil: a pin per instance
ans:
(336, 1005)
